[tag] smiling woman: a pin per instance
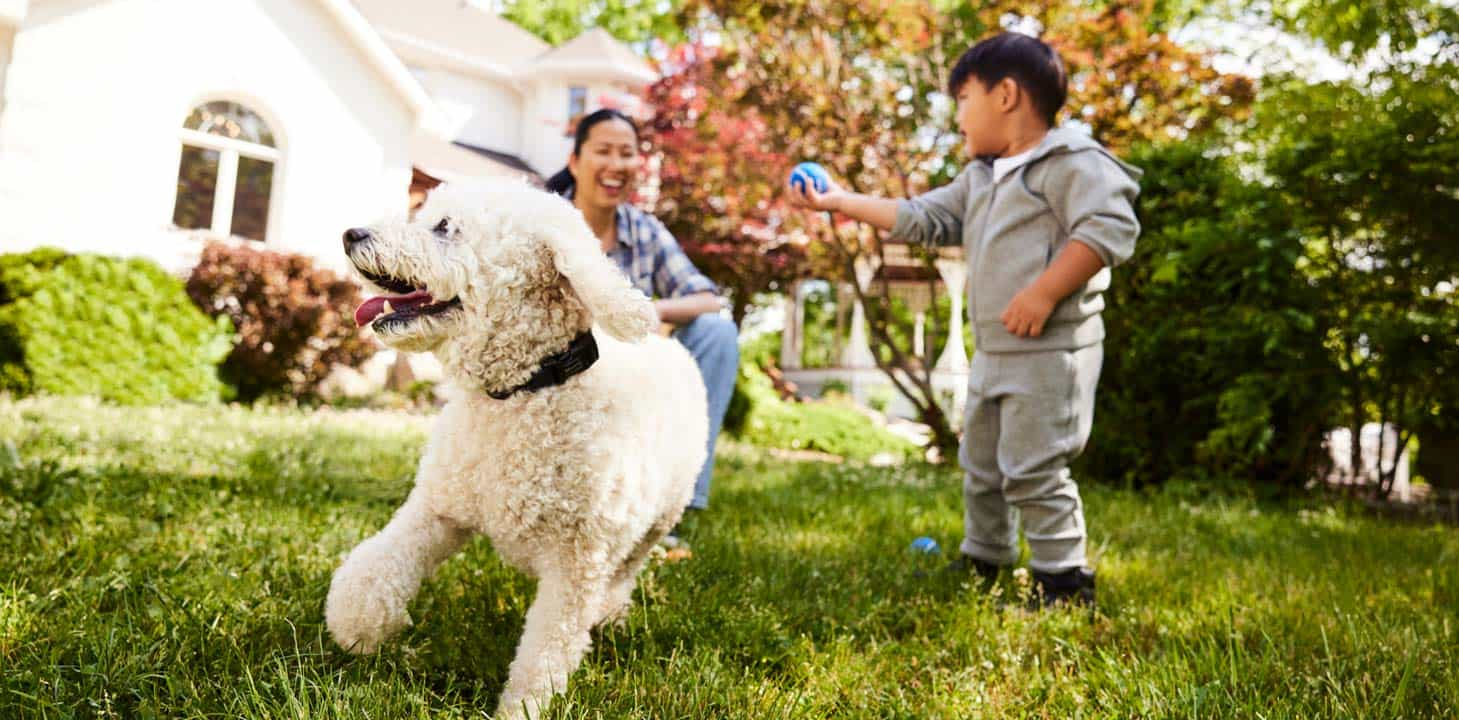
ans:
(600, 178)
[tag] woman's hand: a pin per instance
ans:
(680, 310)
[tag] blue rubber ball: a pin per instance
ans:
(812, 173)
(925, 545)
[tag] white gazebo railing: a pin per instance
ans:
(855, 365)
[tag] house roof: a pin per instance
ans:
(376, 55)
(428, 118)
(455, 161)
(464, 37)
(460, 33)
(508, 159)
(467, 38)
(595, 52)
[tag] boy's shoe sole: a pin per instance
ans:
(963, 566)
(1072, 587)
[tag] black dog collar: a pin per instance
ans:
(580, 355)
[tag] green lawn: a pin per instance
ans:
(173, 562)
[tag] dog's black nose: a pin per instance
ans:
(353, 236)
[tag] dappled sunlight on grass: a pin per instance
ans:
(174, 562)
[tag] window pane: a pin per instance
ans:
(230, 120)
(197, 179)
(250, 198)
(577, 102)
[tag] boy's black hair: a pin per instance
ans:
(1029, 61)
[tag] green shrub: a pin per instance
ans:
(739, 408)
(295, 321)
(763, 350)
(121, 330)
(757, 415)
(1214, 358)
(880, 399)
(829, 427)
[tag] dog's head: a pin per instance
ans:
(490, 259)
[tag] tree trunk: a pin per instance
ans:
(944, 437)
(739, 305)
(919, 390)
(1438, 460)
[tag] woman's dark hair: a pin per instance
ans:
(562, 182)
(1029, 61)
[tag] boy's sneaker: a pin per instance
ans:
(964, 565)
(1073, 587)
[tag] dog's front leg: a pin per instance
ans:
(553, 643)
(368, 596)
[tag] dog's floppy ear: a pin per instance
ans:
(613, 302)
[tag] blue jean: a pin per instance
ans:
(714, 342)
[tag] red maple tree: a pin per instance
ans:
(719, 181)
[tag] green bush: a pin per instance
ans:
(1214, 359)
(880, 399)
(761, 351)
(295, 321)
(121, 330)
(757, 415)
(829, 427)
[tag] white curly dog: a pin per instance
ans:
(574, 481)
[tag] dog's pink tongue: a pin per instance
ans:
(371, 309)
(368, 310)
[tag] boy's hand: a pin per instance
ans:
(810, 199)
(1030, 308)
(880, 213)
(1028, 311)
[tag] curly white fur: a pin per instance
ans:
(574, 483)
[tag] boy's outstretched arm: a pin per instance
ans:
(933, 218)
(880, 213)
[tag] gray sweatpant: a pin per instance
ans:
(1028, 415)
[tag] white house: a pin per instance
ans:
(142, 126)
(506, 95)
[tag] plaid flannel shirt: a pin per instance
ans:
(652, 259)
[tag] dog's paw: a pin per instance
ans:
(362, 612)
(529, 708)
(361, 628)
(359, 636)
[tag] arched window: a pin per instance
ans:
(227, 171)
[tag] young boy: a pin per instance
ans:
(1041, 214)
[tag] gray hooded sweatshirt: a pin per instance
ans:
(1070, 188)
